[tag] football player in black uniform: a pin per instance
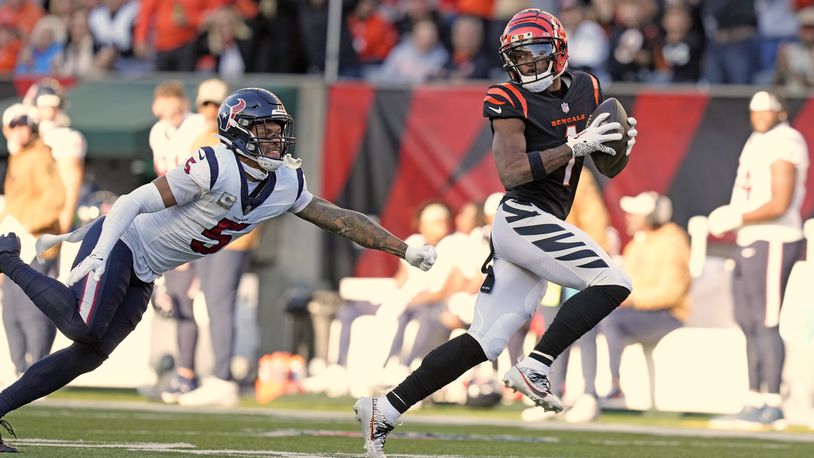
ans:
(540, 140)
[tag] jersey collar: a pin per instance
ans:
(249, 202)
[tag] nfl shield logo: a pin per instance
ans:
(565, 107)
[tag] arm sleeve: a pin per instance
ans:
(145, 199)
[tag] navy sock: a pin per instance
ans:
(441, 366)
(578, 315)
(49, 374)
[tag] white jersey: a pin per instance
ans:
(65, 143)
(172, 146)
(214, 206)
(753, 185)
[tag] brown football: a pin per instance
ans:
(608, 165)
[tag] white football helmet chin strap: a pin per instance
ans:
(537, 84)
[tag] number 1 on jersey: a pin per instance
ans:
(571, 131)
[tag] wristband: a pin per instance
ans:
(538, 171)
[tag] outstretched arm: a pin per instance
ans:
(352, 225)
(362, 230)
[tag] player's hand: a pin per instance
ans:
(592, 138)
(724, 219)
(93, 264)
(421, 257)
(631, 133)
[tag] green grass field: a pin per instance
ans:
(78, 423)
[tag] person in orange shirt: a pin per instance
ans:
(22, 13)
(173, 25)
(373, 35)
(10, 45)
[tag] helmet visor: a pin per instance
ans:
(531, 59)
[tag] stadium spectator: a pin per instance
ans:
(681, 47)
(79, 57)
(467, 60)
(277, 45)
(41, 54)
(795, 61)
(632, 40)
(24, 14)
(227, 42)
(373, 34)
(68, 146)
(415, 11)
(111, 25)
(10, 45)
(149, 230)
(587, 41)
(416, 59)
(170, 29)
(777, 24)
(34, 197)
(657, 258)
(731, 54)
(765, 212)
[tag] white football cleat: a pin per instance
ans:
(212, 392)
(534, 385)
(375, 427)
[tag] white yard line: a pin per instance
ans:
(155, 411)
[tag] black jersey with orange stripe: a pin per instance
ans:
(549, 119)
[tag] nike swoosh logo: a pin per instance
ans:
(496, 110)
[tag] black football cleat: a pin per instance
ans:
(5, 448)
(10, 243)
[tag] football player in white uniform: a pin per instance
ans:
(68, 145)
(219, 194)
(765, 211)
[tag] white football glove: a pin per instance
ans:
(631, 133)
(92, 264)
(592, 138)
(724, 219)
(421, 257)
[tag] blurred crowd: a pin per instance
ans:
(409, 41)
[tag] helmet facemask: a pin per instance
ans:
(268, 141)
(531, 63)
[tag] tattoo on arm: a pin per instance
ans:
(352, 225)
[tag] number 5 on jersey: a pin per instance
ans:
(217, 236)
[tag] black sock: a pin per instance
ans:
(577, 316)
(49, 374)
(54, 299)
(441, 366)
